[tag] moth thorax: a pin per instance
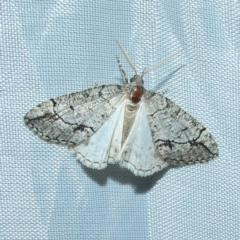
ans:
(136, 94)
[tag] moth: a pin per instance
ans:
(126, 124)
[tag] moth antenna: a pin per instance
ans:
(127, 57)
(122, 70)
(163, 61)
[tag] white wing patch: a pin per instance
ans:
(138, 153)
(104, 144)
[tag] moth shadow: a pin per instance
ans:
(167, 78)
(124, 176)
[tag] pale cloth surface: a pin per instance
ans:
(51, 48)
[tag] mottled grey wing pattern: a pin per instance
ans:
(72, 118)
(178, 137)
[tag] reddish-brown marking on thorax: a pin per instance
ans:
(136, 94)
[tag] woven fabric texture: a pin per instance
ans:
(49, 48)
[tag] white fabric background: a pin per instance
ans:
(50, 48)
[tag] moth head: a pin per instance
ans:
(137, 79)
(136, 92)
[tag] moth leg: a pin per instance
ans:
(123, 72)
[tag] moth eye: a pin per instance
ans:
(132, 79)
